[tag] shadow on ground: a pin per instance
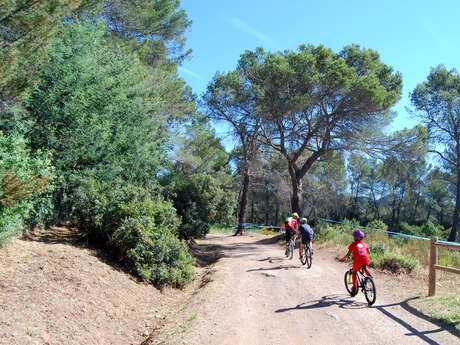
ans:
(345, 302)
(208, 254)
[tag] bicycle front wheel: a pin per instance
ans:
(348, 279)
(369, 290)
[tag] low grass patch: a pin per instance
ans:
(220, 229)
(444, 309)
(269, 232)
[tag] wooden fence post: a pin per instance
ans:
(433, 262)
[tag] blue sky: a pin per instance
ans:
(411, 36)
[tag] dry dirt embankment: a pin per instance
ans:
(57, 290)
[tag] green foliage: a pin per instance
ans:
(377, 224)
(427, 229)
(162, 259)
(26, 30)
(325, 233)
(138, 228)
(435, 101)
(103, 108)
(200, 183)
(200, 201)
(26, 182)
(99, 110)
(308, 102)
(386, 253)
(377, 248)
(394, 263)
(155, 28)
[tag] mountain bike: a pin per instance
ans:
(365, 283)
(291, 247)
(306, 258)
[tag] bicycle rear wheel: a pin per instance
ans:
(369, 290)
(308, 256)
(348, 279)
(291, 249)
(303, 258)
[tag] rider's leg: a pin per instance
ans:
(366, 270)
(356, 267)
(354, 279)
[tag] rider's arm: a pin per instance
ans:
(346, 256)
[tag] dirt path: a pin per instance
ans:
(257, 296)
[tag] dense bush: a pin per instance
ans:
(200, 201)
(137, 227)
(377, 224)
(26, 182)
(427, 229)
(329, 233)
(392, 262)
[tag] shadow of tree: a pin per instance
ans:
(280, 267)
(344, 301)
(327, 301)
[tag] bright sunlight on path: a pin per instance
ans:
(257, 296)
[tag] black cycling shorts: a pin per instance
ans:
(289, 234)
(306, 240)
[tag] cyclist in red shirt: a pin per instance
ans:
(291, 226)
(360, 252)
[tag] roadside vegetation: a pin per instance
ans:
(391, 253)
(444, 309)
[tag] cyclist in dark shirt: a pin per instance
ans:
(307, 235)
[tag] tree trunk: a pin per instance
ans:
(243, 203)
(296, 202)
(414, 214)
(277, 210)
(455, 220)
(267, 203)
(59, 206)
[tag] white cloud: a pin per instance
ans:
(245, 27)
(189, 72)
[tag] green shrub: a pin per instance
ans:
(377, 224)
(136, 227)
(324, 233)
(200, 200)
(376, 259)
(157, 255)
(377, 248)
(396, 263)
(428, 229)
(26, 184)
(406, 228)
(334, 234)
